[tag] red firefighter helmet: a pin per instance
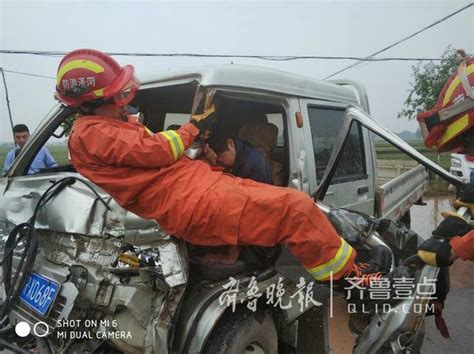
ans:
(453, 114)
(86, 75)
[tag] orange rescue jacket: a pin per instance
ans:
(114, 153)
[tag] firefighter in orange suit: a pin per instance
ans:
(449, 125)
(149, 175)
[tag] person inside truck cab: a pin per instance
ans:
(149, 175)
(43, 158)
(239, 158)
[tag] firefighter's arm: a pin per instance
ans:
(136, 148)
(464, 246)
(442, 249)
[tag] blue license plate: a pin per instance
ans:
(39, 293)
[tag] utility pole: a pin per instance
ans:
(8, 101)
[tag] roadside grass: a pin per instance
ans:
(3, 153)
(59, 153)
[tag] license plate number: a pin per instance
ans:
(39, 293)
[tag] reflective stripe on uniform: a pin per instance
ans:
(149, 131)
(176, 143)
(99, 92)
(454, 129)
(79, 64)
(454, 84)
(323, 271)
(428, 257)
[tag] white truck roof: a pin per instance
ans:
(254, 77)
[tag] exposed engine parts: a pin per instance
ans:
(133, 257)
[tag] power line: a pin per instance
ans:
(369, 58)
(29, 74)
(279, 58)
(402, 40)
(198, 55)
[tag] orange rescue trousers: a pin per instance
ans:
(244, 212)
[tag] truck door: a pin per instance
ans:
(353, 183)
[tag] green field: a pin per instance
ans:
(59, 153)
(3, 152)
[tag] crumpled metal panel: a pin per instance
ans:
(74, 210)
(77, 211)
(173, 266)
(70, 249)
(17, 207)
(145, 237)
(157, 337)
(134, 229)
(98, 251)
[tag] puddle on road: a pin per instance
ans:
(424, 219)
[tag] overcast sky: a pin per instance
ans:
(329, 28)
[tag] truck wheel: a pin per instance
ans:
(244, 331)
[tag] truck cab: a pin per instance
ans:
(113, 265)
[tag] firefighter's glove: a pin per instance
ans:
(435, 252)
(205, 120)
(465, 197)
(452, 226)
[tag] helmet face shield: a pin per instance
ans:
(127, 94)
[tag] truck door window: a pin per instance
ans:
(175, 120)
(325, 125)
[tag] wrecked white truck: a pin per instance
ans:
(86, 275)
